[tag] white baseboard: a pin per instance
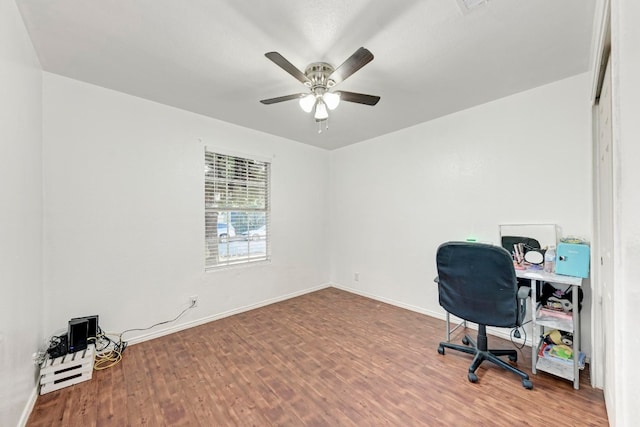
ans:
(497, 332)
(389, 301)
(28, 408)
(207, 319)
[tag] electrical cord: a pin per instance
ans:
(108, 351)
(109, 346)
(159, 323)
(515, 333)
(111, 351)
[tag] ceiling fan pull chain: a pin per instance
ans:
(319, 127)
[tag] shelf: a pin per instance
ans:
(554, 320)
(543, 276)
(543, 318)
(66, 370)
(556, 367)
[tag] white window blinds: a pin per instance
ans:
(236, 193)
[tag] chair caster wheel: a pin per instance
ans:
(513, 358)
(465, 341)
(527, 384)
(473, 377)
(440, 349)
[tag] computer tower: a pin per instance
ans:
(78, 334)
(93, 325)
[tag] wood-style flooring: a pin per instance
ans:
(328, 358)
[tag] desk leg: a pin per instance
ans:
(576, 337)
(534, 327)
(449, 330)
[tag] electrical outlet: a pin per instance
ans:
(356, 277)
(38, 357)
(193, 301)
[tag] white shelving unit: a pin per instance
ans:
(568, 371)
(67, 370)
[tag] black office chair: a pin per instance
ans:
(477, 282)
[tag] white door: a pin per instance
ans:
(605, 234)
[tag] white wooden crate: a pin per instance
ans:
(70, 369)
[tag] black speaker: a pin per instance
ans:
(78, 334)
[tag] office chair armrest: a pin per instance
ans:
(523, 292)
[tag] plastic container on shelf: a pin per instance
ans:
(550, 260)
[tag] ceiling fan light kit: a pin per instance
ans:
(321, 111)
(307, 102)
(319, 77)
(332, 100)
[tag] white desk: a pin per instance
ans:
(560, 369)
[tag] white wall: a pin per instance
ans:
(124, 214)
(521, 159)
(20, 215)
(626, 130)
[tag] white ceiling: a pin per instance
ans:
(432, 57)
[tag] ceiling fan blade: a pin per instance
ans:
(360, 98)
(280, 61)
(359, 59)
(282, 98)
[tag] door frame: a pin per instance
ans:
(600, 55)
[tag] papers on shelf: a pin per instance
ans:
(549, 314)
(560, 354)
(554, 319)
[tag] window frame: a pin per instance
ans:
(256, 185)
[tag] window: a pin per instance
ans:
(236, 209)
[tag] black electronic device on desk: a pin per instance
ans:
(79, 333)
(58, 346)
(80, 330)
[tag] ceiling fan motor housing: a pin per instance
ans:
(318, 74)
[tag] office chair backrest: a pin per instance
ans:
(477, 282)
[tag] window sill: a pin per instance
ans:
(238, 266)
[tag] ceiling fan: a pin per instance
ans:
(320, 77)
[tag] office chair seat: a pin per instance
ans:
(477, 282)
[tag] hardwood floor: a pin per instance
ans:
(329, 358)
